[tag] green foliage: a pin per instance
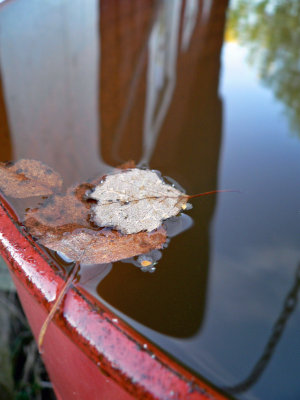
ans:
(271, 31)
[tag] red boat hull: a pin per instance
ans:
(87, 353)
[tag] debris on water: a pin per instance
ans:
(135, 200)
(145, 262)
(187, 206)
(148, 261)
(28, 178)
(127, 213)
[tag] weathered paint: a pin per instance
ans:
(88, 354)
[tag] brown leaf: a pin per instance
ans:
(60, 213)
(104, 246)
(63, 224)
(28, 178)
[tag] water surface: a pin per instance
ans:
(159, 84)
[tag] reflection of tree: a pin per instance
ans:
(271, 30)
(178, 93)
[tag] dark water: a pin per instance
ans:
(156, 83)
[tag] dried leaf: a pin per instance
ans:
(63, 224)
(104, 246)
(59, 214)
(28, 178)
(135, 200)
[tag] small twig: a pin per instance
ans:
(61, 295)
(57, 303)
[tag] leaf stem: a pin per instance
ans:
(211, 192)
(182, 196)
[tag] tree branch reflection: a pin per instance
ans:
(271, 32)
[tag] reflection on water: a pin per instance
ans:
(175, 98)
(289, 306)
(49, 67)
(270, 30)
(161, 73)
(256, 250)
(98, 83)
(158, 77)
(6, 146)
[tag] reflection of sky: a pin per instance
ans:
(254, 238)
(255, 235)
(255, 249)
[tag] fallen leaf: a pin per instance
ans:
(27, 178)
(62, 223)
(135, 200)
(60, 213)
(104, 246)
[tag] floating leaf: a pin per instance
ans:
(62, 223)
(60, 214)
(104, 246)
(28, 178)
(135, 200)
